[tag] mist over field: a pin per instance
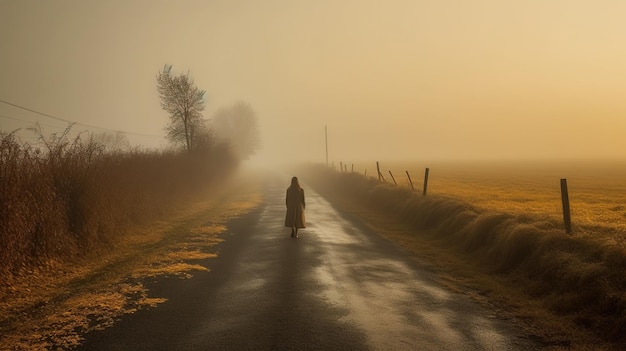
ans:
(394, 80)
(122, 119)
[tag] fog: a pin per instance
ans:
(391, 80)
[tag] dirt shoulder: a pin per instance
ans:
(52, 308)
(461, 275)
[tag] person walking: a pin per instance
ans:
(295, 207)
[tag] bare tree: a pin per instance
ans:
(185, 103)
(237, 124)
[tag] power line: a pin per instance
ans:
(23, 120)
(67, 121)
(39, 113)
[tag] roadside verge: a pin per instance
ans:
(527, 270)
(52, 308)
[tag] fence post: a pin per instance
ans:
(340, 166)
(378, 170)
(567, 218)
(410, 181)
(393, 178)
(426, 180)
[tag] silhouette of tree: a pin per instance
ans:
(185, 103)
(237, 124)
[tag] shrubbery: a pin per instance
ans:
(572, 276)
(73, 195)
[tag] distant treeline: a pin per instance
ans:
(64, 199)
(571, 276)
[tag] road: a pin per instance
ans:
(339, 286)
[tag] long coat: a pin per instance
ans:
(295, 208)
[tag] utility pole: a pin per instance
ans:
(326, 135)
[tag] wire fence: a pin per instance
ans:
(591, 194)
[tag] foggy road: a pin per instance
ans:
(337, 287)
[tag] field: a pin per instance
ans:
(505, 221)
(597, 189)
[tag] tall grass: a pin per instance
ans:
(574, 276)
(596, 187)
(597, 190)
(68, 197)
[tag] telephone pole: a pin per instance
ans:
(326, 135)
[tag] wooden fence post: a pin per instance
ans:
(567, 218)
(426, 180)
(410, 181)
(393, 178)
(378, 170)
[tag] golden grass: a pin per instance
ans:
(597, 190)
(51, 304)
(578, 279)
(63, 200)
(90, 311)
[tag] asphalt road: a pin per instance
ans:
(337, 287)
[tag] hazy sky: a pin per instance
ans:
(392, 79)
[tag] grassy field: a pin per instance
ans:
(597, 189)
(505, 222)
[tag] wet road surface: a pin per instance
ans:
(337, 287)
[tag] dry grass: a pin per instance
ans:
(76, 219)
(597, 190)
(54, 308)
(68, 197)
(579, 279)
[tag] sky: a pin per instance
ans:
(389, 79)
